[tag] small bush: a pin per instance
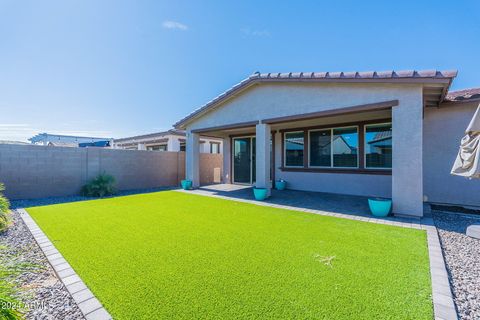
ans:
(4, 206)
(103, 185)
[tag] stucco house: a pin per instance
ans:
(399, 133)
(171, 140)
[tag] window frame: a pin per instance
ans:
(184, 145)
(211, 147)
(157, 145)
(365, 146)
(361, 158)
(331, 151)
(285, 149)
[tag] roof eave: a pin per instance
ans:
(254, 79)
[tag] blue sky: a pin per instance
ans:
(119, 68)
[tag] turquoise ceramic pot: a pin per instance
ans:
(186, 184)
(280, 185)
(260, 193)
(380, 207)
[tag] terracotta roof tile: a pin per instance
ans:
(464, 95)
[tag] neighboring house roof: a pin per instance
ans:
(404, 76)
(383, 135)
(12, 142)
(174, 132)
(465, 95)
(59, 138)
(155, 138)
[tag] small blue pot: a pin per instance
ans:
(186, 184)
(380, 207)
(280, 185)
(260, 193)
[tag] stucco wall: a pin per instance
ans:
(38, 171)
(443, 130)
(354, 184)
(276, 100)
(273, 100)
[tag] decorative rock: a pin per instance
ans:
(474, 231)
(37, 283)
(462, 257)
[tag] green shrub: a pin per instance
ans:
(4, 206)
(101, 186)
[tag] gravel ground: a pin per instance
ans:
(36, 282)
(462, 255)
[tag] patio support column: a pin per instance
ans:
(263, 156)
(407, 156)
(192, 160)
(227, 160)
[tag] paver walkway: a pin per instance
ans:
(345, 206)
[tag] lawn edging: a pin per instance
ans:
(443, 305)
(88, 304)
(442, 298)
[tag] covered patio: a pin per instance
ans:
(356, 134)
(329, 204)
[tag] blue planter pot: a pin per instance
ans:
(380, 207)
(280, 185)
(186, 184)
(260, 193)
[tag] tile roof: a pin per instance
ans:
(358, 75)
(355, 76)
(153, 135)
(463, 95)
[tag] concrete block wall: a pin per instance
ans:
(30, 171)
(210, 162)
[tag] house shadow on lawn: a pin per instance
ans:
(28, 203)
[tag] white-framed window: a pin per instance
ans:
(159, 147)
(333, 147)
(378, 146)
(214, 147)
(294, 148)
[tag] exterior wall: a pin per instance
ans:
(265, 101)
(173, 143)
(227, 161)
(205, 147)
(443, 130)
(277, 100)
(407, 159)
(210, 168)
(354, 184)
(30, 171)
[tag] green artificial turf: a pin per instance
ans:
(172, 255)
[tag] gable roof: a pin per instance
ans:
(403, 76)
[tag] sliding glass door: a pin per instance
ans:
(244, 160)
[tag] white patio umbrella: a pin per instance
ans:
(467, 161)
